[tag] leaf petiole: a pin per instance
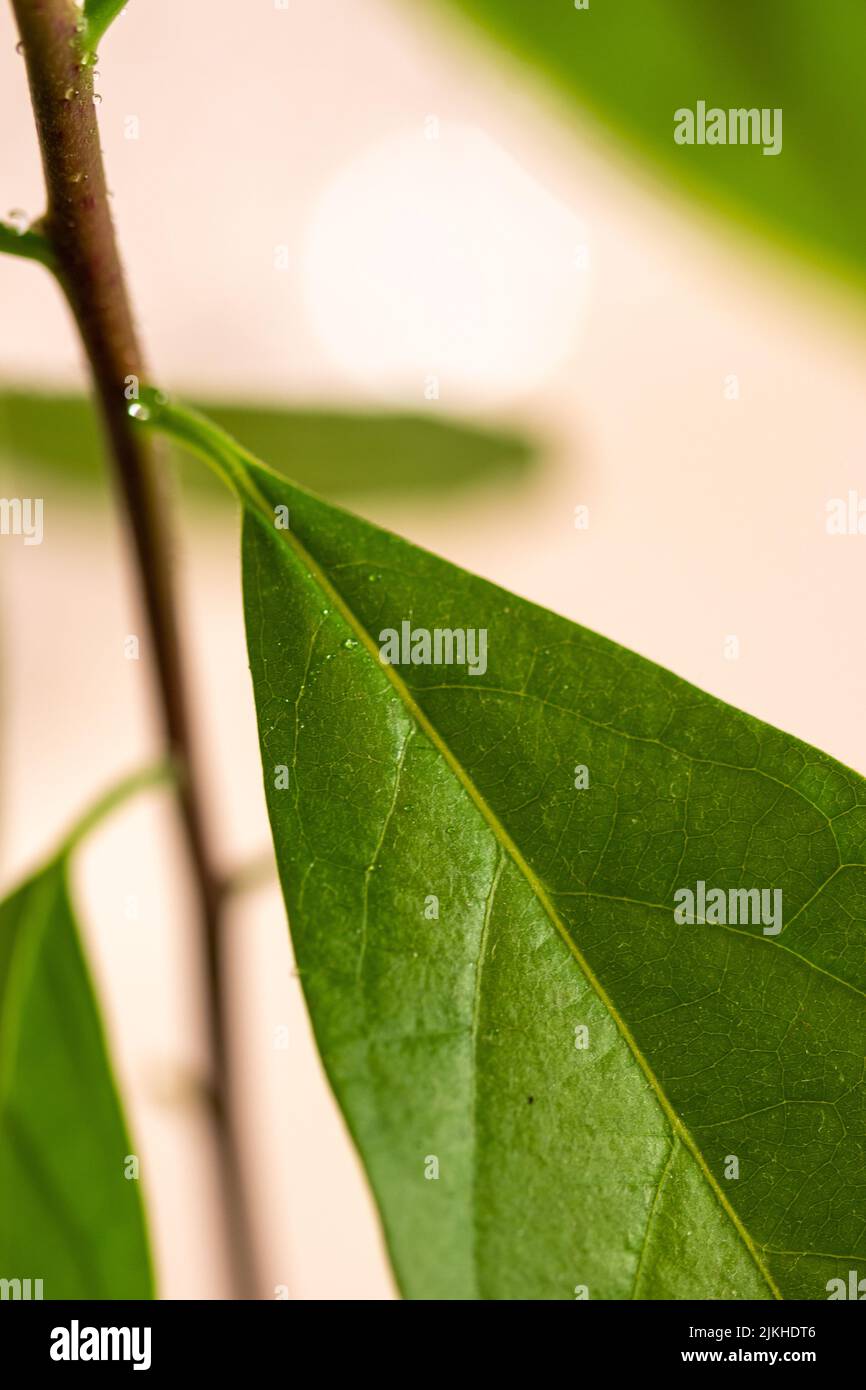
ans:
(142, 780)
(29, 244)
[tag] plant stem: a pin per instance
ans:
(77, 226)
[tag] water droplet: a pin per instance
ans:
(18, 220)
(372, 578)
(350, 642)
(96, 97)
(76, 178)
(325, 612)
(19, 47)
(69, 94)
(138, 411)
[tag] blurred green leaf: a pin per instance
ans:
(48, 438)
(633, 63)
(68, 1214)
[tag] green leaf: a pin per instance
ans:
(98, 15)
(458, 1037)
(49, 439)
(631, 64)
(68, 1214)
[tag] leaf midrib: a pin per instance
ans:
(262, 512)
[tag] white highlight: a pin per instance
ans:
(443, 257)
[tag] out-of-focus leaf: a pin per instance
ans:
(633, 63)
(47, 438)
(69, 1215)
(547, 1072)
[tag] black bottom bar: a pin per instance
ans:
(157, 1339)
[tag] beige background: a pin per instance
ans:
(307, 127)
